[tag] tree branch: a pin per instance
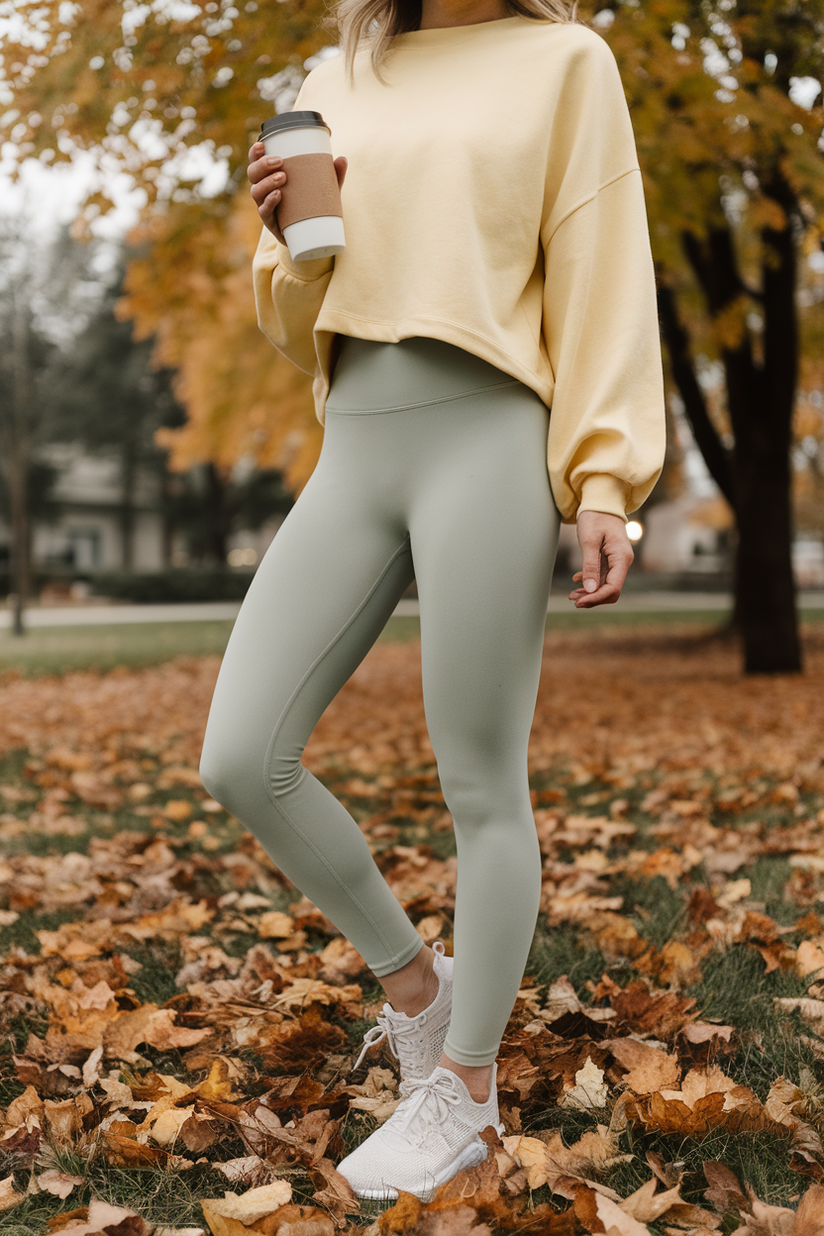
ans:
(716, 457)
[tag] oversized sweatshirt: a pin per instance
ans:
(493, 199)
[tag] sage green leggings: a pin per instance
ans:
(433, 467)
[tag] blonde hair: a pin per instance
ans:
(379, 21)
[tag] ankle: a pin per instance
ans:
(477, 1079)
(413, 988)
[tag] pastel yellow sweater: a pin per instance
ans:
(493, 199)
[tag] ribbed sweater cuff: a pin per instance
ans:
(307, 271)
(605, 493)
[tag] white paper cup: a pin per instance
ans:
(309, 213)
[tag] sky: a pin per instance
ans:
(52, 195)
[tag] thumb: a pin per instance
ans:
(341, 165)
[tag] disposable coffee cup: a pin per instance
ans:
(309, 213)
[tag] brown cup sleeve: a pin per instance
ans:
(311, 189)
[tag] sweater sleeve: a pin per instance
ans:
(600, 325)
(600, 312)
(288, 297)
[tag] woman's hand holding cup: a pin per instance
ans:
(268, 178)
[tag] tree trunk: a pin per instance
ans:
(218, 529)
(760, 398)
(762, 422)
(764, 585)
(20, 567)
(168, 524)
(18, 468)
(716, 456)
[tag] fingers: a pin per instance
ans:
(267, 178)
(607, 557)
(609, 590)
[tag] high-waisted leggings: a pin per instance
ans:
(433, 467)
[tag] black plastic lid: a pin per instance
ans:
(293, 120)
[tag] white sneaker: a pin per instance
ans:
(417, 1042)
(430, 1137)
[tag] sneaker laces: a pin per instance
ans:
(401, 1035)
(428, 1097)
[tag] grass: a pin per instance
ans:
(56, 650)
(171, 1196)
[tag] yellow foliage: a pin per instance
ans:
(731, 323)
(193, 290)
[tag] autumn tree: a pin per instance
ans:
(733, 173)
(732, 170)
(142, 87)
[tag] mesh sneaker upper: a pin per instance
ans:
(417, 1042)
(432, 1134)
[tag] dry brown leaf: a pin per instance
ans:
(768, 1220)
(809, 957)
(590, 1090)
(701, 1082)
(26, 1109)
(58, 1183)
(166, 1128)
(64, 1119)
(648, 1068)
(275, 924)
(810, 1011)
(377, 1094)
(100, 1219)
(312, 991)
(809, 1218)
(252, 1205)
(151, 1025)
(340, 961)
(178, 1231)
(250, 1170)
(705, 1031)
(616, 1220)
(549, 1160)
(8, 1197)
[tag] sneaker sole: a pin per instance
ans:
(471, 1155)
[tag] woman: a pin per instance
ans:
(497, 266)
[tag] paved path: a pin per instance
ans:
(105, 615)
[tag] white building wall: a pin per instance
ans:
(148, 541)
(87, 532)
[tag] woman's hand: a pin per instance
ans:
(608, 556)
(268, 178)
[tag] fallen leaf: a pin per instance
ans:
(247, 1207)
(58, 1183)
(590, 1090)
(8, 1196)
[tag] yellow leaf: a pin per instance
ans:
(247, 1207)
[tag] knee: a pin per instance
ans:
(487, 794)
(219, 775)
(229, 771)
(235, 776)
